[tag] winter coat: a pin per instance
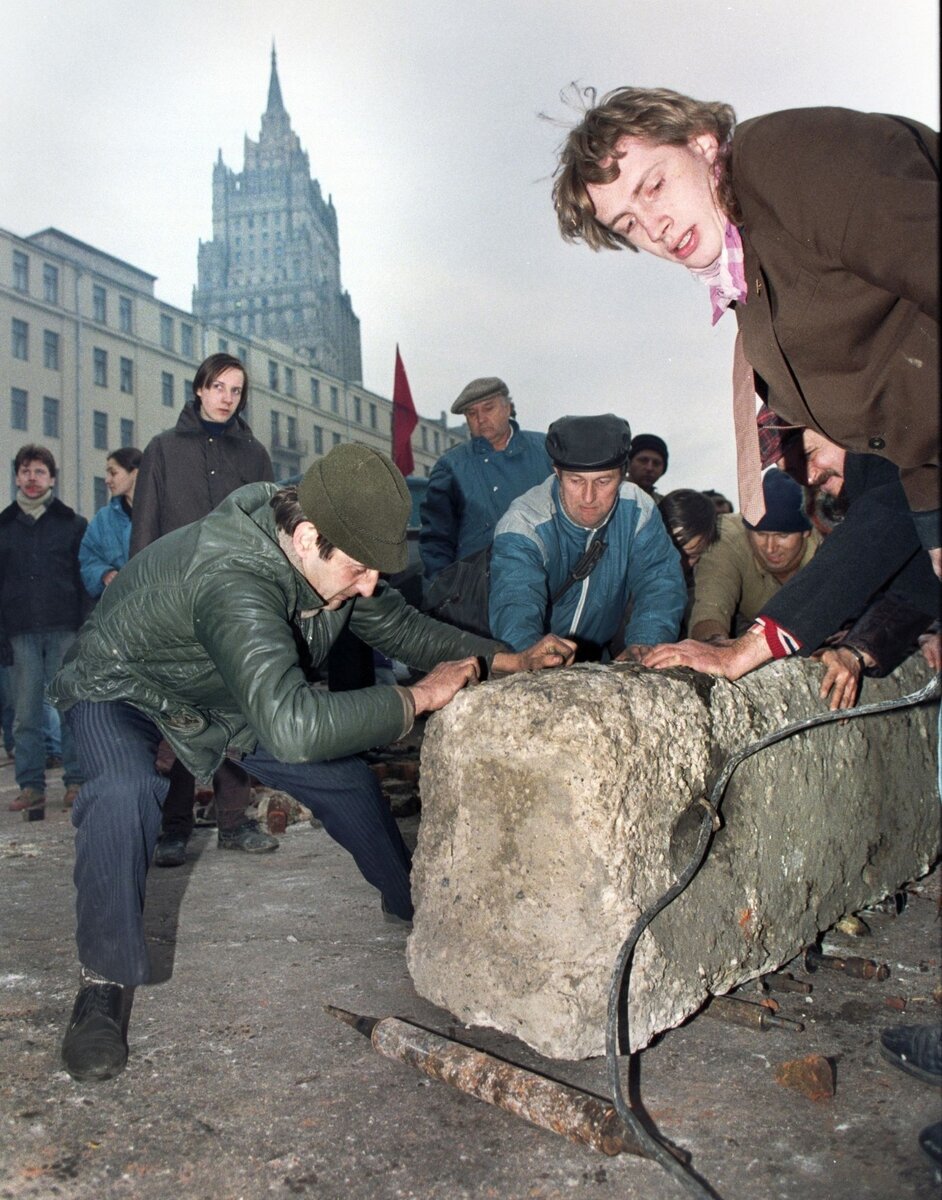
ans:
(106, 545)
(211, 632)
(470, 488)
(873, 550)
(188, 470)
(840, 215)
(40, 584)
(537, 545)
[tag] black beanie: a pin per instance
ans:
(648, 441)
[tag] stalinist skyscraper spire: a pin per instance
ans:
(273, 266)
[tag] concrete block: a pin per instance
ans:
(553, 815)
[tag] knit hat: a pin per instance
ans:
(357, 499)
(480, 389)
(648, 441)
(784, 505)
(588, 443)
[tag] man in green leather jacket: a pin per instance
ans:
(207, 638)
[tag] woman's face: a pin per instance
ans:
(664, 200)
(118, 481)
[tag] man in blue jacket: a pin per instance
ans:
(472, 485)
(572, 553)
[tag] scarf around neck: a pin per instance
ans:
(726, 277)
(36, 507)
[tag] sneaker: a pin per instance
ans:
(171, 850)
(29, 798)
(71, 795)
(247, 837)
(916, 1049)
(94, 1047)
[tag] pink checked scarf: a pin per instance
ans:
(726, 278)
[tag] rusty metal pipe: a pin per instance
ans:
(582, 1118)
(849, 964)
(752, 1016)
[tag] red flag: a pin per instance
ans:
(404, 420)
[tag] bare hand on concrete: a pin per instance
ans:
(841, 677)
(442, 683)
(931, 646)
(633, 654)
(549, 651)
(731, 661)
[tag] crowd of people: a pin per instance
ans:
(212, 597)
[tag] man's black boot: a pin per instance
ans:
(95, 1047)
(171, 850)
(915, 1049)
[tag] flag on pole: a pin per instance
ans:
(404, 420)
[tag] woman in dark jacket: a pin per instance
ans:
(183, 475)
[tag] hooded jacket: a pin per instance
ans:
(211, 632)
(188, 470)
(536, 548)
(470, 488)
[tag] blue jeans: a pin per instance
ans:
(117, 822)
(36, 658)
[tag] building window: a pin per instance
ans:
(19, 409)
(424, 438)
(50, 349)
(127, 432)
(50, 283)
(373, 417)
(50, 417)
(336, 439)
(438, 441)
(166, 388)
(100, 358)
(186, 339)
(99, 304)
(223, 345)
(100, 430)
(318, 433)
(315, 392)
(273, 375)
(241, 354)
(358, 410)
(334, 400)
(127, 380)
(292, 433)
(289, 381)
(166, 331)
(20, 340)
(20, 271)
(125, 314)
(101, 493)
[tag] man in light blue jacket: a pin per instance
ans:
(585, 553)
(472, 485)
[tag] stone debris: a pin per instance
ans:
(813, 1076)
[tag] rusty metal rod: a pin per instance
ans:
(849, 964)
(744, 1012)
(544, 1102)
(787, 983)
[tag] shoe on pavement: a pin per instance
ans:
(71, 795)
(930, 1143)
(171, 850)
(915, 1049)
(392, 918)
(29, 798)
(94, 1047)
(247, 837)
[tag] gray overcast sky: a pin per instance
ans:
(421, 119)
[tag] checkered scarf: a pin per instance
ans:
(726, 278)
(774, 435)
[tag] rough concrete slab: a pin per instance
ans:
(240, 1087)
(554, 810)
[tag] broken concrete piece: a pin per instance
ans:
(554, 812)
(813, 1076)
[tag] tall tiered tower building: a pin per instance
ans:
(272, 269)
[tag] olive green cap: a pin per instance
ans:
(357, 498)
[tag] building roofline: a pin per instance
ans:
(67, 237)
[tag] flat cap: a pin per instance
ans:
(588, 443)
(480, 389)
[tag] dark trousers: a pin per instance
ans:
(231, 790)
(117, 821)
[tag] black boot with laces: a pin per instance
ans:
(95, 1047)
